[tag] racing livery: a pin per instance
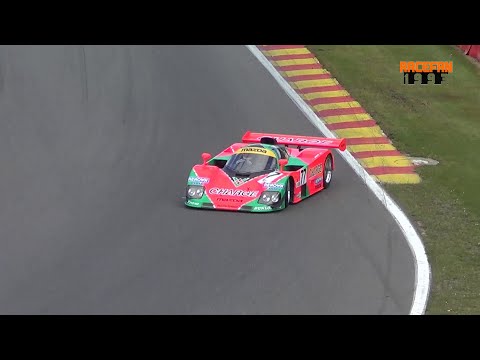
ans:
(264, 173)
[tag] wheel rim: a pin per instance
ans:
(328, 170)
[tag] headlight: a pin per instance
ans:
(269, 197)
(195, 191)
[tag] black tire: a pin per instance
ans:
(327, 171)
(287, 198)
(289, 193)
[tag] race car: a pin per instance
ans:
(264, 173)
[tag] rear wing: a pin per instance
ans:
(297, 140)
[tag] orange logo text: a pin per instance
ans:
(426, 66)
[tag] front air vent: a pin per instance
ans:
(293, 167)
(218, 163)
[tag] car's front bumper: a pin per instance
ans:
(244, 208)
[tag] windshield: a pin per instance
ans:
(248, 164)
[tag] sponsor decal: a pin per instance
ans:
(261, 208)
(233, 192)
(269, 186)
(228, 200)
(315, 170)
(252, 149)
(270, 178)
(196, 180)
(303, 178)
(301, 140)
(240, 181)
(256, 150)
(318, 182)
(194, 203)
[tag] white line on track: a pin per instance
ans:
(422, 267)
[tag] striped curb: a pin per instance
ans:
(341, 113)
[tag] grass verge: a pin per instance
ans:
(435, 121)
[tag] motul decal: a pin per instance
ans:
(232, 192)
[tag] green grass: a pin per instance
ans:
(436, 121)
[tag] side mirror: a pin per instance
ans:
(206, 157)
(282, 163)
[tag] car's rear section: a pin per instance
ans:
(309, 155)
(306, 167)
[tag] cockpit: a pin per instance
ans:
(253, 160)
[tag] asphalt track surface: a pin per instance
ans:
(96, 143)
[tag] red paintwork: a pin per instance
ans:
(474, 52)
(313, 157)
(297, 140)
(220, 180)
(314, 153)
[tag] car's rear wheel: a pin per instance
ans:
(327, 171)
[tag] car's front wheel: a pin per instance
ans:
(289, 193)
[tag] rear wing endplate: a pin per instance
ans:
(297, 140)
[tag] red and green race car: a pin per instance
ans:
(264, 173)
